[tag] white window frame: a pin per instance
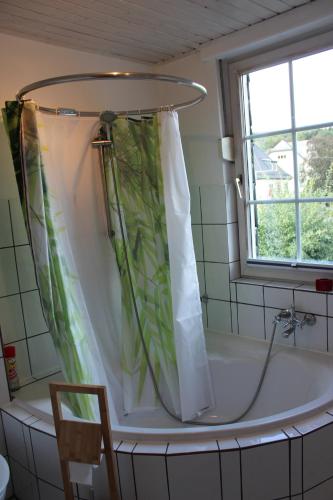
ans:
(250, 267)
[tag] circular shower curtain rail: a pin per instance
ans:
(117, 76)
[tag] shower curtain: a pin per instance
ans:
(90, 304)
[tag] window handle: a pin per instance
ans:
(239, 184)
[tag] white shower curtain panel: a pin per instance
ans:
(73, 176)
(196, 394)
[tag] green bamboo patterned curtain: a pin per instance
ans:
(133, 173)
(58, 285)
(148, 192)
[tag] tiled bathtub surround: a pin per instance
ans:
(247, 306)
(215, 236)
(289, 463)
(257, 302)
(21, 318)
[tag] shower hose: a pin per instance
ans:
(145, 350)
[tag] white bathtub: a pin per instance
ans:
(283, 449)
(298, 385)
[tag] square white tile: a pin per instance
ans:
(234, 318)
(3, 446)
(234, 270)
(28, 446)
(330, 334)
(250, 294)
(42, 355)
(330, 304)
(265, 471)
(194, 476)
(195, 205)
(19, 230)
(4, 394)
(8, 273)
(233, 242)
(231, 202)
(280, 298)
(317, 456)
(100, 483)
(11, 319)
(217, 281)
(204, 315)
(6, 233)
(197, 242)
(126, 476)
(321, 492)
(25, 484)
(219, 316)
(22, 362)
(233, 292)
(15, 439)
(213, 204)
(296, 466)
(216, 243)
(49, 492)
(201, 277)
(150, 477)
(231, 477)
(251, 321)
(310, 302)
(33, 313)
(313, 337)
(46, 455)
(26, 268)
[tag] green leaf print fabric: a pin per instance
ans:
(134, 179)
(60, 295)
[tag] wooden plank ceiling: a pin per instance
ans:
(144, 30)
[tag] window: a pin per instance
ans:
(286, 144)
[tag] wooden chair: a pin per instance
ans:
(82, 441)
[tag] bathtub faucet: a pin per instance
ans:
(289, 322)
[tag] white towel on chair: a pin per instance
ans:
(81, 473)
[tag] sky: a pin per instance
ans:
(313, 91)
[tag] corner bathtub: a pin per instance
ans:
(298, 384)
(281, 449)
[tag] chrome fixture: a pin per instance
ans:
(289, 322)
(115, 75)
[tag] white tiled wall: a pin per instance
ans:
(247, 306)
(295, 462)
(21, 319)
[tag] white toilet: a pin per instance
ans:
(4, 477)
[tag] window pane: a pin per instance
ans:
(267, 100)
(313, 83)
(275, 233)
(317, 231)
(271, 167)
(315, 162)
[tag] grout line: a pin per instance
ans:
(220, 471)
(118, 471)
(14, 245)
(327, 347)
(166, 470)
(133, 471)
(19, 288)
(240, 469)
(28, 337)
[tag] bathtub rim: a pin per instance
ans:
(273, 423)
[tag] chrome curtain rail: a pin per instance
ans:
(116, 76)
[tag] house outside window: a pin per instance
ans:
(283, 125)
